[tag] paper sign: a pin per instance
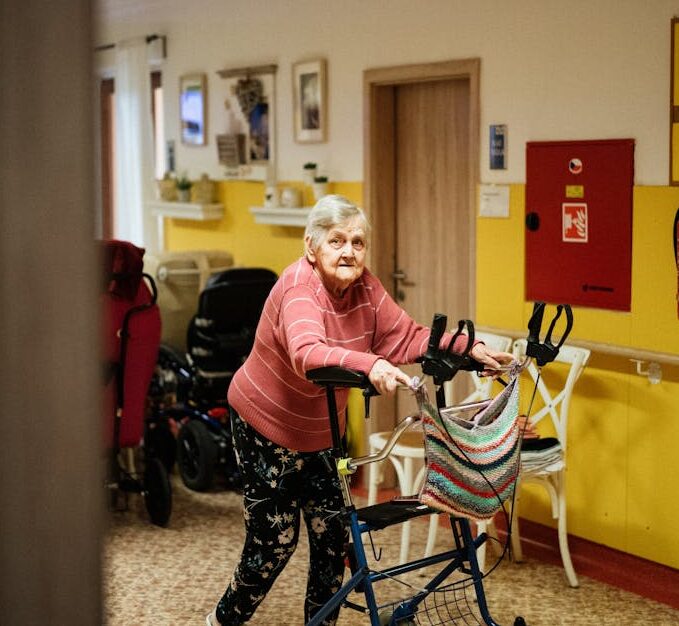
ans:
(493, 201)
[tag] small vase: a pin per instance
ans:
(320, 190)
(167, 192)
(309, 175)
(183, 195)
(291, 198)
(271, 197)
(203, 191)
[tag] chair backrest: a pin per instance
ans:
(221, 334)
(556, 403)
(482, 384)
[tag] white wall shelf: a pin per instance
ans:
(182, 211)
(281, 216)
(187, 210)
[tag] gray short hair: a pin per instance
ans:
(330, 211)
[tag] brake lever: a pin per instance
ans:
(466, 361)
(368, 392)
(470, 338)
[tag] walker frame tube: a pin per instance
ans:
(455, 559)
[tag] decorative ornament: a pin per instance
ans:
(249, 92)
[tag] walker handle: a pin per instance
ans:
(545, 352)
(336, 376)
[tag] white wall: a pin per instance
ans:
(585, 69)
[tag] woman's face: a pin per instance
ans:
(340, 257)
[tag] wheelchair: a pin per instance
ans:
(188, 391)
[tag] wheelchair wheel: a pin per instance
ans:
(157, 492)
(196, 455)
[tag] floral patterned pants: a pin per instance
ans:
(278, 484)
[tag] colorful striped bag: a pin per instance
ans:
(472, 464)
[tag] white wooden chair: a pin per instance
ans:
(548, 468)
(410, 449)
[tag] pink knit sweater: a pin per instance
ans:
(303, 327)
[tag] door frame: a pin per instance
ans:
(379, 172)
(379, 155)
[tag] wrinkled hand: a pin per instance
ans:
(492, 359)
(385, 377)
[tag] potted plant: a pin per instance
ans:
(309, 172)
(183, 188)
(320, 187)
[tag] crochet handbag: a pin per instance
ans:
(472, 464)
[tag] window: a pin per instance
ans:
(106, 94)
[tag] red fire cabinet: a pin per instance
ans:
(579, 222)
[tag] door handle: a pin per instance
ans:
(401, 277)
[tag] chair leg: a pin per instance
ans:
(373, 481)
(431, 537)
(406, 488)
(563, 538)
(482, 527)
(517, 553)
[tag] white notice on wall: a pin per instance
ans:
(493, 201)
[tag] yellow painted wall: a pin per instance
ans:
(622, 462)
(623, 465)
(252, 245)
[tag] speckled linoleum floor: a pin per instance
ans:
(173, 576)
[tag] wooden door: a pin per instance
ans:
(421, 154)
(432, 246)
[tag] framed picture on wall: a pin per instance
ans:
(192, 109)
(310, 105)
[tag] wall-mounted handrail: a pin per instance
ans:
(164, 273)
(627, 352)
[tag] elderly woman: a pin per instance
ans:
(326, 309)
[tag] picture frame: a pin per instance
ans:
(310, 109)
(193, 109)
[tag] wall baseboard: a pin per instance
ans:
(632, 573)
(619, 569)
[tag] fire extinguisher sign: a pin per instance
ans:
(574, 222)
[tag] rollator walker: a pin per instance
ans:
(442, 600)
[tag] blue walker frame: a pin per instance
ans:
(442, 365)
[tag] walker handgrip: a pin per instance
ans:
(535, 322)
(338, 377)
(438, 327)
(545, 352)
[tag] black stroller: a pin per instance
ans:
(131, 340)
(190, 390)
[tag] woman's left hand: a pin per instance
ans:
(492, 359)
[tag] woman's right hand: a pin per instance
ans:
(386, 377)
